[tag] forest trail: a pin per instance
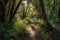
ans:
(34, 33)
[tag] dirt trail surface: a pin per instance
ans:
(33, 34)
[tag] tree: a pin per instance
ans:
(59, 9)
(2, 11)
(15, 10)
(59, 13)
(9, 9)
(44, 16)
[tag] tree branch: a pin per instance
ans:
(13, 14)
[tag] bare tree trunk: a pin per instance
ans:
(59, 10)
(49, 28)
(13, 14)
(59, 13)
(2, 10)
(44, 16)
(12, 7)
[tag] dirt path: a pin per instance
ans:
(33, 33)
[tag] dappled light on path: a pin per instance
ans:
(34, 33)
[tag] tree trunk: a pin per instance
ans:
(2, 10)
(49, 28)
(13, 13)
(59, 13)
(44, 16)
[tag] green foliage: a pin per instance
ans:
(8, 31)
(17, 28)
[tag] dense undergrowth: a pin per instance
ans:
(17, 30)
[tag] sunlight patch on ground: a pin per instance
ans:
(31, 31)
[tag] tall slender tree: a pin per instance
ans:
(2, 10)
(15, 10)
(59, 9)
(44, 16)
(49, 28)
